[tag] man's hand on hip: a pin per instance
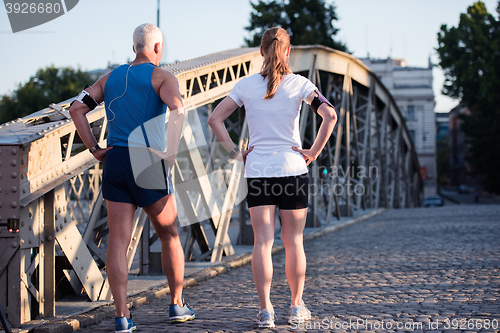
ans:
(100, 154)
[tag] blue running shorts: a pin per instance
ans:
(119, 184)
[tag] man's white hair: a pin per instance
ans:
(146, 36)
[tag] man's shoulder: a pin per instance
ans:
(162, 73)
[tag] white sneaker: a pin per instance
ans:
(265, 318)
(298, 313)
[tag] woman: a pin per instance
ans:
(275, 165)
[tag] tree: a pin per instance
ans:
(49, 85)
(307, 21)
(469, 55)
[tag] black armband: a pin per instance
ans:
(84, 97)
(317, 101)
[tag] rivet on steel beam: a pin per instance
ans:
(22, 161)
(24, 191)
(14, 151)
(71, 248)
(49, 238)
(13, 163)
(22, 223)
(64, 208)
(29, 227)
(22, 176)
(13, 189)
(14, 175)
(13, 244)
(13, 204)
(29, 241)
(57, 229)
(58, 197)
(30, 214)
(59, 210)
(65, 220)
(37, 183)
(55, 217)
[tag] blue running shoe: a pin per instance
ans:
(180, 315)
(122, 324)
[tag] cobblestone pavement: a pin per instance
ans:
(398, 271)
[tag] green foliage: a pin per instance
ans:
(307, 21)
(443, 159)
(469, 55)
(49, 85)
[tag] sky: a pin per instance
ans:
(98, 32)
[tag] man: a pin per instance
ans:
(135, 94)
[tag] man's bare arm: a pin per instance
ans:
(168, 89)
(78, 113)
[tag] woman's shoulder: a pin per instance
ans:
(296, 77)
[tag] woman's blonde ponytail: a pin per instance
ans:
(275, 42)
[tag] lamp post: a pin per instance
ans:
(158, 15)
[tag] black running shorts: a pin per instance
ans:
(285, 192)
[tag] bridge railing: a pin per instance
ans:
(53, 220)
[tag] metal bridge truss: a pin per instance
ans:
(53, 220)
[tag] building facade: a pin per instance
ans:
(459, 168)
(411, 88)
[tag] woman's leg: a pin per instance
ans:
(293, 223)
(263, 218)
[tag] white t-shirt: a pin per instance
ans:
(273, 124)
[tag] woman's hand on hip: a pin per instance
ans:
(308, 155)
(242, 156)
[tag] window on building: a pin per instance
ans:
(410, 112)
(412, 135)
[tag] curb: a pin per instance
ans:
(97, 314)
(455, 201)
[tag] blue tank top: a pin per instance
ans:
(135, 112)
